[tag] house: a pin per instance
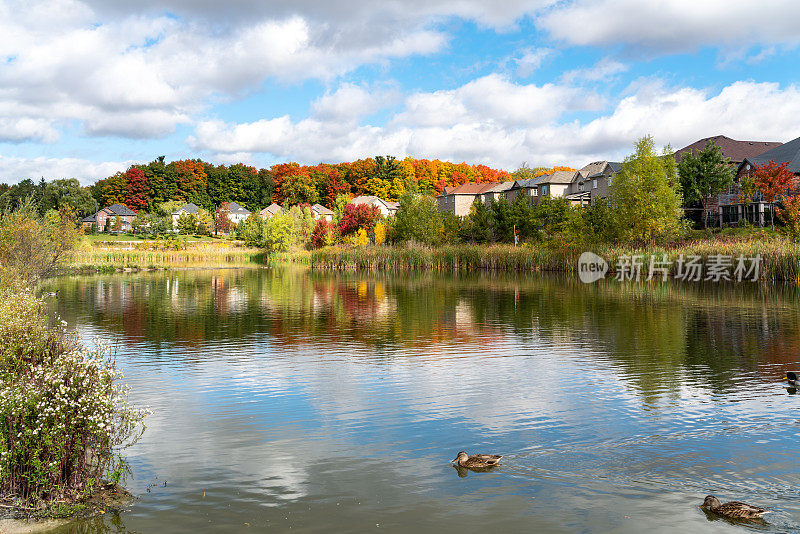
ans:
(187, 209)
(104, 219)
(554, 184)
(269, 211)
(458, 200)
(386, 208)
(754, 212)
(591, 182)
(737, 152)
(238, 213)
(320, 211)
(525, 188)
(497, 192)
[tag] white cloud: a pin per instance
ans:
(16, 169)
(350, 102)
(140, 75)
(531, 60)
(494, 121)
(603, 70)
(674, 25)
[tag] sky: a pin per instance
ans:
(89, 87)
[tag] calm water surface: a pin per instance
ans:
(292, 401)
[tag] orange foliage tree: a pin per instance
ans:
(773, 181)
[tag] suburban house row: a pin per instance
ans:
(591, 182)
(105, 218)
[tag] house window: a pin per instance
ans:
(594, 183)
(544, 190)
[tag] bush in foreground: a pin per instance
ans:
(64, 416)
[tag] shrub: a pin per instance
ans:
(790, 215)
(32, 247)
(278, 233)
(323, 234)
(65, 416)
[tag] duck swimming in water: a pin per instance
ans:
(791, 377)
(733, 509)
(476, 460)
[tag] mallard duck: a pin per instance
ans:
(476, 460)
(50, 294)
(733, 509)
(791, 377)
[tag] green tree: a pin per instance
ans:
(703, 175)
(187, 223)
(644, 199)
(68, 192)
(418, 220)
(278, 233)
(299, 189)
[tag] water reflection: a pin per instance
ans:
(320, 401)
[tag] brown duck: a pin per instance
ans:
(733, 509)
(476, 460)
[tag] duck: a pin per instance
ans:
(479, 461)
(733, 509)
(791, 377)
(50, 294)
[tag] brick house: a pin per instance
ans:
(737, 152)
(591, 182)
(104, 219)
(458, 200)
(754, 212)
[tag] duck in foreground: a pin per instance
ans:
(733, 509)
(476, 460)
(791, 377)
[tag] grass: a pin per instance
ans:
(780, 256)
(126, 238)
(159, 255)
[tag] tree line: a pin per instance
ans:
(147, 186)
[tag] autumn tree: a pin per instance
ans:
(358, 216)
(299, 189)
(773, 181)
(222, 218)
(137, 196)
(703, 175)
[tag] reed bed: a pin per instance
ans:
(194, 256)
(780, 257)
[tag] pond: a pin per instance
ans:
(290, 400)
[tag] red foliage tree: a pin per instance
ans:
(222, 218)
(357, 216)
(773, 181)
(323, 233)
(334, 185)
(138, 193)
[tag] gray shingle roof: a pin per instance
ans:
(272, 209)
(787, 152)
(187, 208)
(122, 211)
(322, 210)
(557, 177)
(236, 208)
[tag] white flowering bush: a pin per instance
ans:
(64, 414)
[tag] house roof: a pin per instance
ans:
(787, 152)
(121, 210)
(368, 199)
(527, 182)
(499, 188)
(90, 219)
(472, 189)
(236, 208)
(737, 151)
(187, 208)
(592, 169)
(272, 209)
(393, 206)
(322, 210)
(557, 177)
(616, 166)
